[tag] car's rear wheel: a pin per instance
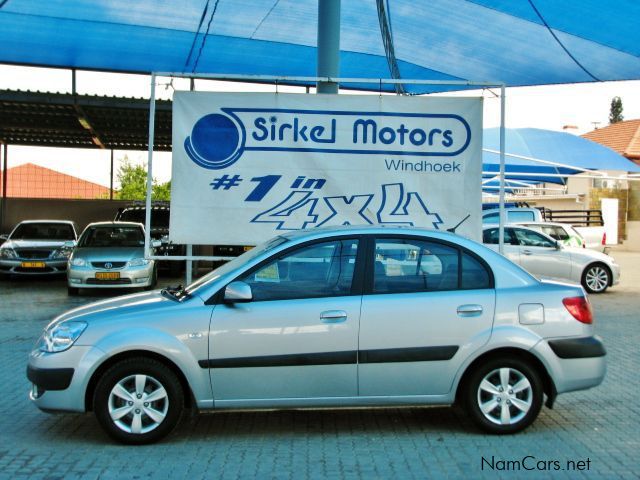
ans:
(138, 401)
(596, 278)
(504, 395)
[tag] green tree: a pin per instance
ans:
(133, 183)
(615, 114)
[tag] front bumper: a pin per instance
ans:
(128, 277)
(60, 380)
(26, 266)
(575, 363)
(615, 274)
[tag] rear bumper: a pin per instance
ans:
(576, 363)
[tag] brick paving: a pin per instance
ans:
(600, 425)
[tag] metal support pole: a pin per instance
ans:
(502, 147)
(152, 125)
(111, 178)
(73, 81)
(3, 156)
(328, 44)
(189, 270)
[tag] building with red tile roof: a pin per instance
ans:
(623, 137)
(33, 181)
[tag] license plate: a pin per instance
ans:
(32, 265)
(107, 275)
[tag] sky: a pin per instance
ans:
(581, 107)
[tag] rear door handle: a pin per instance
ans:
(469, 310)
(333, 316)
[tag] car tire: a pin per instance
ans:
(73, 291)
(120, 406)
(596, 278)
(503, 395)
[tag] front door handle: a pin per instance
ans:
(333, 316)
(469, 310)
(527, 252)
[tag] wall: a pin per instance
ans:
(82, 212)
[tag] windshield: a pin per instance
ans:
(108, 236)
(235, 263)
(43, 231)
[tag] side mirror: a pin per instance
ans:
(237, 292)
(558, 245)
(69, 244)
(4, 236)
(156, 243)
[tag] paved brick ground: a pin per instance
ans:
(600, 425)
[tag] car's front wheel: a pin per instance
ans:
(504, 395)
(596, 278)
(138, 401)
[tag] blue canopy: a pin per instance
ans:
(524, 42)
(557, 147)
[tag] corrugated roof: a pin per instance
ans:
(33, 181)
(82, 121)
(622, 137)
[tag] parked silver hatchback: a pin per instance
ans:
(357, 316)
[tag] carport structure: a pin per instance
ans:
(443, 45)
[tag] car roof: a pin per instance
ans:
(319, 232)
(553, 224)
(115, 224)
(65, 222)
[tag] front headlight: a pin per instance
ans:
(7, 253)
(61, 337)
(61, 253)
(138, 262)
(78, 262)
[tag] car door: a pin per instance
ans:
(511, 248)
(540, 256)
(426, 305)
(297, 338)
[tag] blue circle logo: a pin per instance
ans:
(214, 142)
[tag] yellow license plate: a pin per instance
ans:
(32, 265)
(107, 275)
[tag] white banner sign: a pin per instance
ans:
(248, 166)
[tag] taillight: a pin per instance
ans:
(580, 308)
(604, 238)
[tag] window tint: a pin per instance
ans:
(514, 216)
(530, 238)
(474, 273)
(402, 266)
(491, 218)
(491, 235)
(320, 270)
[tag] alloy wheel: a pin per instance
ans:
(138, 404)
(505, 396)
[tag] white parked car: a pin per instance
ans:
(546, 258)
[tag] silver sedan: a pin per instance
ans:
(325, 318)
(110, 255)
(546, 258)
